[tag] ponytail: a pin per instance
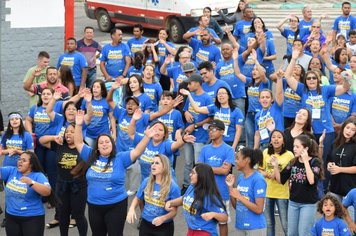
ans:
(255, 156)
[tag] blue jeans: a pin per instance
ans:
(240, 103)
(300, 218)
(282, 205)
(328, 142)
(91, 77)
(191, 155)
(250, 128)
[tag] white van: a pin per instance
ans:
(176, 15)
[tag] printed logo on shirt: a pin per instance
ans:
(226, 70)
(187, 202)
(253, 91)
(202, 55)
(99, 172)
(135, 47)
(289, 93)
(154, 199)
(150, 92)
(124, 125)
(315, 101)
(41, 117)
(115, 54)
(16, 186)
(180, 79)
(341, 104)
(246, 29)
(148, 156)
(14, 144)
(68, 161)
(68, 61)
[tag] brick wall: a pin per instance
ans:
(18, 52)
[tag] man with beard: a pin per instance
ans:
(195, 32)
(52, 81)
(76, 62)
(203, 50)
(115, 59)
(344, 23)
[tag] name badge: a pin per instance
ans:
(264, 134)
(316, 113)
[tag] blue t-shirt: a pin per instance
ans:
(133, 71)
(145, 102)
(99, 123)
(269, 120)
(225, 71)
(247, 66)
(202, 100)
(335, 227)
(178, 76)
(212, 90)
(174, 121)
(42, 124)
(153, 205)
(146, 159)
(21, 199)
(163, 52)
(242, 28)
(270, 51)
(114, 58)
(216, 157)
(253, 93)
(251, 188)
(350, 200)
(106, 186)
(304, 27)
(290, 37)
(193, 217)
(230, 119)
(203, 53)
(292, 101)
(343, 25)
(154, 91)
(311, 100)
(16, 142)
(123, 141)
(342, 106)
(135, 44)
(76, 62)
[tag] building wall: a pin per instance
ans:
(24, 33)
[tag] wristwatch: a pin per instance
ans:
(196, 126)
(32, 183)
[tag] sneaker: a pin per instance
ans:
(131, 193)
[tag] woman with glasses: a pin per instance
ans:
(153, 194)
(223, 110)
(314, 97)
(290, 33)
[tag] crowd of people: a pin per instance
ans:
(92, 141)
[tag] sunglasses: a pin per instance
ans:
(311, 78)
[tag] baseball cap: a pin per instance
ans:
(216, 123)
(188, 66)
(133, 98)
(195, 78)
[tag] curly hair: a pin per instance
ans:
(338, 207)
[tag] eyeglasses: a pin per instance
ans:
(214, 130)
(311, 78)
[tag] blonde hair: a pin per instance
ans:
(166, 179)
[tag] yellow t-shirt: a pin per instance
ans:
(275, 189)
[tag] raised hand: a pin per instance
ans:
(58, 139)
(178, 100)
(235, 54)
(87, 95)
(230, 180)
(168, 59)
(57, 95)
(37, 72)
(79, 118)
(137, 114)
(295, 53)
(184, 92)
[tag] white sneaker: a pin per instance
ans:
(130, 193)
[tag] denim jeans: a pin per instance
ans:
(240, 103)
(328, 142)
(191, 155)
(91, 77)
(250, 128)
(301, 218)
(282, 205)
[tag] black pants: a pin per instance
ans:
(108, 219)
(148, 229)
(25, 226)
(73, 203)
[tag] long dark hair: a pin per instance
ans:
(129, 93)
(307, 128)
(255, 156)
(37, 167)
(95, 153)
(205, 186)
(318, 87)
(9, 131)
(218, 104)
(308, 142)
(104, 92)
(253, 30)
(138, 60)
(337, 54)
(340, 139)
(180, 49)
(145, 51)
(271, 150)
(66, 77)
